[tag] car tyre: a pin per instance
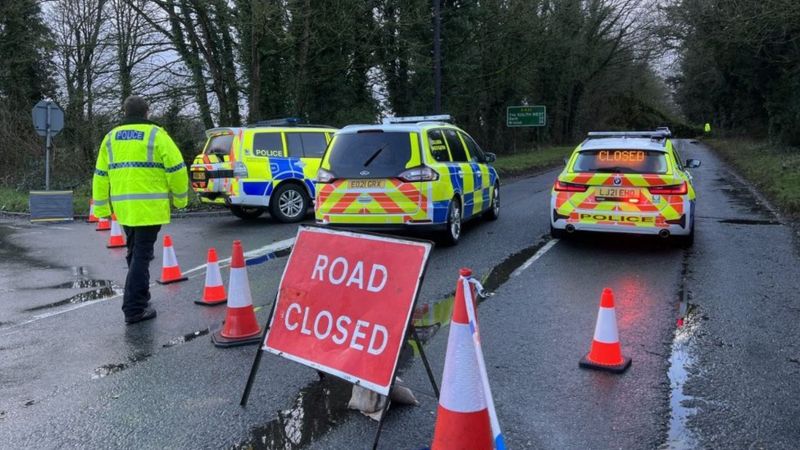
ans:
(289, 203)
(454, 221)
(556, 233)
(494, 209)
(247, 212)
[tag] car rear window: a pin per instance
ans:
(219, 144)
(370, 154)
(620, 161)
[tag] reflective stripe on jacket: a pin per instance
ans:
(138, 169)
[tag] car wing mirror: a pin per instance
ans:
(490, 157)
(566, 160)
(692, 163)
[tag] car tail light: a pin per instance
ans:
(423, 173)
(323, 176)
(563, 186)
(675, 189)
(239, 170)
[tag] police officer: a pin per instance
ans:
(138, 169)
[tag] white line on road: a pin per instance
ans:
(274, 247)
(533, 258)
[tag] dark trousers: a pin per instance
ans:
(140, 242)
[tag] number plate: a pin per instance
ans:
(609, 192)
(199, 175)
(367, 184)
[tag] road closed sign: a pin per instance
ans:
(345, 302)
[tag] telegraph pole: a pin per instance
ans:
(437, 57)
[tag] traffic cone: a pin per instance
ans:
(117, 239)
(606, 353)
(462, 419)
(214, 290)
(170, 270)
(103, 224)
(92, 218)
(240, 326)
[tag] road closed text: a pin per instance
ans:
(359, 334)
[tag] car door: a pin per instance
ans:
(480, 171)
(461, 163)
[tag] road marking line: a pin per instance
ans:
(274, 247)
(533, 258)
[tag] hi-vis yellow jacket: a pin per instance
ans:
(138, 167)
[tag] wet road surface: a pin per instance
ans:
(72, 374)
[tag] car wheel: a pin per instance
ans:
(246, 212)
(453, 231)
(556, 233)
(494, 209)
(289, 203)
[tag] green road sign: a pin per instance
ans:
(526, 116)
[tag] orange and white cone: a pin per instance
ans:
(92, 218)
(462, 419)
(103, 224)
(117, 239)
(240, 326)
(606, 353)
(214, 290)
(170, 270)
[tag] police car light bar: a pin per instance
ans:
(286, 121)
(416, 119)
(628, 134)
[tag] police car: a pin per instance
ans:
(270, 165)
(625, 182)
(408, 172)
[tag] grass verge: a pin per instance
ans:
(16, 201)
(531, 161)
(775, 171)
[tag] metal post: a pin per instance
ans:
(425, 361)
(437, 57)
(47, 153)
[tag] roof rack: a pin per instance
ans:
(658, 134)
(416, 119)
(285, 122)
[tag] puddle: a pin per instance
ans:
(185, 338)
(322, 405)
(110, 369)
(102, 289)
(95, 294)
(318, 408)
(681, 360)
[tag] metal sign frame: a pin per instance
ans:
(410, 333)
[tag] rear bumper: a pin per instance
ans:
(339, 222)
(674, 230)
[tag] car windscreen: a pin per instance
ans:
(219, 145)
(620, 161)
(370, 154)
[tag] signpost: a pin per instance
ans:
(344, 306)
(48, 120)
(526, 116)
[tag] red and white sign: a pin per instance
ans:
(345, 303)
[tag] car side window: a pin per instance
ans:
(475, 152)
(678, 159)
(437, 146)
(455, 145)
(313, 144)
(267, 145)
(294, 145)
